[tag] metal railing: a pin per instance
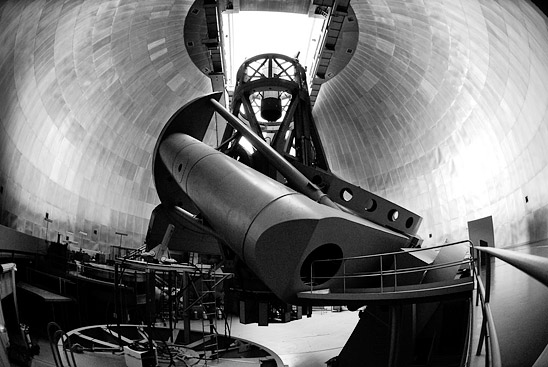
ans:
(12, 255)
(532, 265)
(393, 272)
(488, 332)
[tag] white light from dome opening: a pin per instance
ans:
(246, 144)
(250, 33)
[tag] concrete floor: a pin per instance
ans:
(309, 342)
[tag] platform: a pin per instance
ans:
(406, 294)
(43, 294)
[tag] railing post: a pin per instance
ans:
(487, 349)
(475, 269)
(117, 306)
(344, 275)
(170, 303)
(311, 282)
(487, 278)
(482, 336)
(382, 282)
(186, 312)
(395, 273)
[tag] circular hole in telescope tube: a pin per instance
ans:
(393, 215)
(346, 194)
(409, 222)
(317, 180)
(370, 205)
(322, 264)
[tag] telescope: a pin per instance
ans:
(266, 192)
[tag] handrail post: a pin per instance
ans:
(487, 277)
(479, 261)
(117, 307)
(474, 264)
(488, 333)
(477, 273)
(344, 275)
(395, 273)
(382, 283)
(482, 336)
(311, 282)
(487, 349)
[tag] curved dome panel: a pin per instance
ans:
(442, 108)
(86, 88)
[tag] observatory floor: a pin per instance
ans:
(308, 342)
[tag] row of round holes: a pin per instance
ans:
(371, 206)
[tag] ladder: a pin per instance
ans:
(209, 278)
(208, 302)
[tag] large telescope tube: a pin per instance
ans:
(275, 230)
